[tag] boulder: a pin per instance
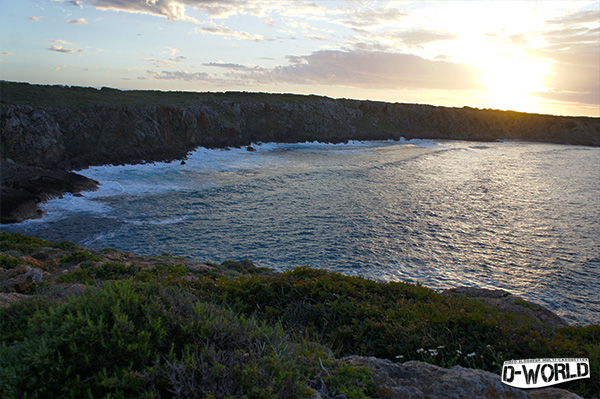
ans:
(416, 380)
(20, 279)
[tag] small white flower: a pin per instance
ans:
(459, 351)
(471, 354)
(420, 350)
(399, 357)
(441, 347)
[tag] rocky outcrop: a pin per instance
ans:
(507, 302)
(24, 187)
(20, 279)
(419, 380)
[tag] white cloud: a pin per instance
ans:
(574, 49)
(225, 31)
(179, 75)
(369, 17)
(232, 66)
(6, 53)
(78, 21)
(172, 9)
(60, 49)
(170, 50)
(60, 42)
(167, 62)
(36, 19)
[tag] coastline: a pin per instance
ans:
(61, 129)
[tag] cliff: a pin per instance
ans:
(61, 127)
(64, 128)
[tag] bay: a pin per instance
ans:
(524, 217)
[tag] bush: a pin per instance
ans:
(144, 340)
(400, 321)
(9, 262)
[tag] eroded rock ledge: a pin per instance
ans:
(24, 187)
(419, 380)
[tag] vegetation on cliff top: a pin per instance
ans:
(136, 326)
(48, 95)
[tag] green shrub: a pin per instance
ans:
(21, 242)
(144, 340)
(78, 257)
(400, 321)
(89, 273)
(9, 262)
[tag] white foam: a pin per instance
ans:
(203, 169)
(73, 203)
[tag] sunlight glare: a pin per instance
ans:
(512, 82)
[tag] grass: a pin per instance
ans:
(168, 328)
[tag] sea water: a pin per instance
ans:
(518, 216)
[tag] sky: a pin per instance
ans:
(531, 56)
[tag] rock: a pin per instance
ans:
(7, 298)
(508, 302)
(415, 379)
(551, 393)
(24, 187)
(20, 279)
(18, 205)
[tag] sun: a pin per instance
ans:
(512, 83)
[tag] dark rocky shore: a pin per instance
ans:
(60, 128)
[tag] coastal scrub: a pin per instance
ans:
(110, 323)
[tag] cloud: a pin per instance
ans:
(78, 21)
(60, 49)
(233, 67)
(353, 68)
(225, 31)
(6, 53)
(576, 18)
(180, 75)
(60, 42)
(171, 9)
(36, 19)
(170, 50)
(167, 62)
(375, 69)
(574, 50)
(411, 39)
(269, 21)
(370, 17)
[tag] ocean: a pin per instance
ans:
(518, 216)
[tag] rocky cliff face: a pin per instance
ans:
(69, 136)
(61, 128)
